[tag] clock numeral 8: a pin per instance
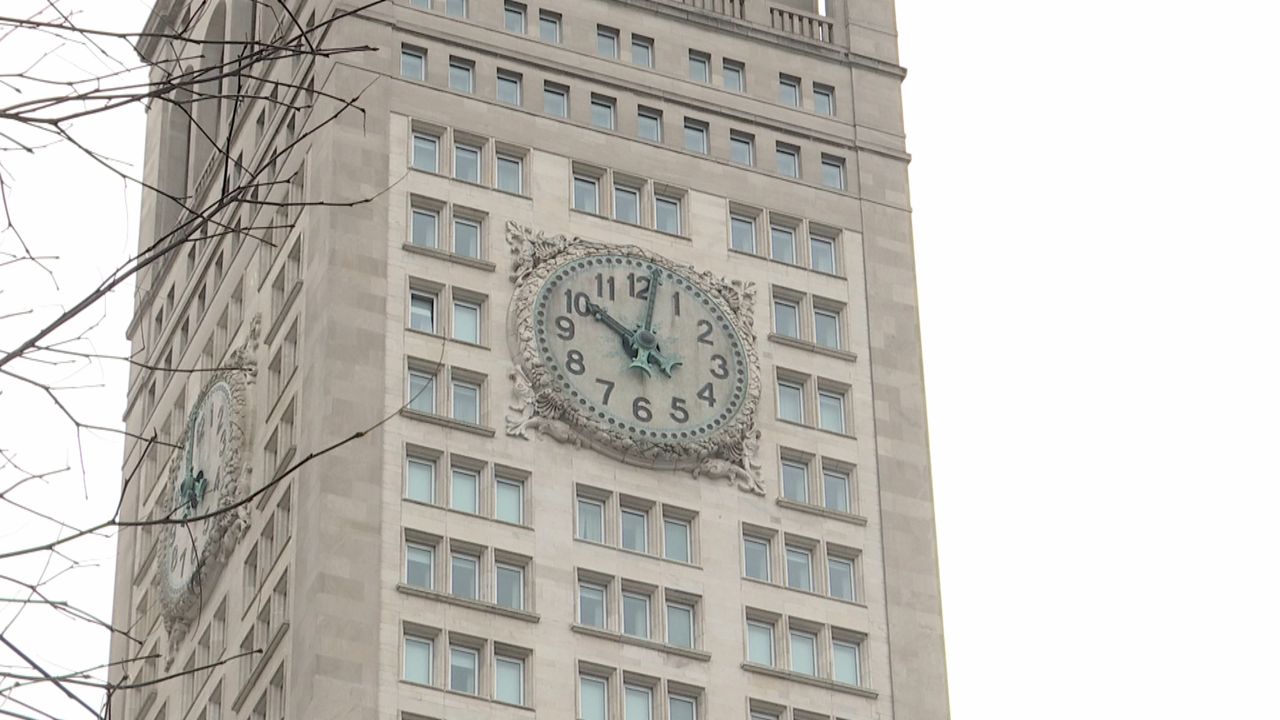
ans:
(575, 364)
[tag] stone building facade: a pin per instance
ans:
(456, 560)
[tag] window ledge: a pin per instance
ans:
(259, 665)
(813, 347)
(624, 223)
(810, 680)
(445, 421)
(793, 423)
(495, 608)
(637, 553)
(691, 653)
(780, 586)
(438, 506)
(759, 256)
(450, 257)
(823, 511)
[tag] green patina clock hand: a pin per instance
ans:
(643, 340)
(635, 339)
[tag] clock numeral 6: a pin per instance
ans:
(575, 363)
(640, 409)
(678, 411)
(565, 328)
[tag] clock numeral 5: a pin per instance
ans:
(678, 411)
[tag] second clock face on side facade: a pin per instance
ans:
(640, 348)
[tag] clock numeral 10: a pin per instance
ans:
(577, 302)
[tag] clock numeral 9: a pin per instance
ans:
(577, 302)
(704, 332)
(678, 411)
(564, 327)
(640, 409)
(720, 367)
(575, 363)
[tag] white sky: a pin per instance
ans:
(1094, 187)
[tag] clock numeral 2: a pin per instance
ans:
(704, 332)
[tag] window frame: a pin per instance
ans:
(604, 33)
(498, 659)
(580, 501)
(697, 59)
(792, 582)
(701, 130)
(475, 668)
(638, 597)
(739, 139)
(659, 200)
(832, 162)
(686, 607)
(467, 68)
(461, 149)
(851, 564)
(509, 160)
(840, 397)
(420, 640)
(410, 53)
(737, 68)
(767, 555)
(603, 590)
(475, 473)
(594, 182)
(510, 9)
(430, 551)
(511, 79)
(643, 526)
(647, 44)
(429, 317)
(783, 151)
(827, 91)
(454, 385)
(520, 573)
(766, 629)
(644, 114)
(799, 389)
(790, 84)
(456, 554)
(550, 19)
(555, 90)
(608, 105)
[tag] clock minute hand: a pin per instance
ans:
(630, 337)
(654, 281)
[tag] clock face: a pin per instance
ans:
(640, 348)
(200, 481)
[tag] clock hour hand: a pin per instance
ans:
(643, 341)
(654, 281)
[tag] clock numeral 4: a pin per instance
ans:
(707, 394)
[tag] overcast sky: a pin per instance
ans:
(1094, 187)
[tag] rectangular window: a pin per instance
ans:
(760, 643)
(840, 578)
(509, 87)
(606, 42)
(635, 615)
(790, 401)
(804, 653)
(513, 14)
(464, 576)
(742, 233)
(795, 481)
(509, 500)
(833, 172)
(466, 322)
(641, 51)
(420, 483)
(466, 163)
(413, 64)
(510, 174)
(699, 66)
(799, 568)
(649, 124)
(463, 669)
(424, 228)
(824, 102)
(847, 665)
(626, 204)
(464, 490)
(666, 214)
(755, 557)
(676, 539)
(460, 75)
(788, 160)
(786, 318)
(417, 660)
(425, 152)
(509, 586)
(638, 703)
(789, 90)
(635, 530)
(680, 625)
(695, 136)
(508, 680)
(549, 26)
(456, 8)
(682, 708)
(466, 402)
(555, 99)
(782, 244)
(742, 148)
(419, 566)
(593, 698)
(822, 254)
(831, 411)
(591, 609)
(602, 112)
(836, 494)
(586, 196)
(735, 76)
(422, 312)
(591, 520)
(826, 328)
(422, 392)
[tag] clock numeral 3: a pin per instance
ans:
(564, 324)
(720, 367)
(678, 411)
(704, 332)
(575, 363)
(640, 409)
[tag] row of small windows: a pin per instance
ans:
(763, 553)
(630, 523)
(637, 610)
(628, 199)
(474, 486)
(469, 572)
(475, 159)
(813, 401)
(805, 317)
(804, 648)
(475, 666)
(464, 322)
(464, 391)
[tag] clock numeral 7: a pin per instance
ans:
(608, 390)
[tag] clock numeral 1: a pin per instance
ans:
(675, 303)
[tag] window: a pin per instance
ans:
(461, 75)
(466, 321)
(635, 615)
(422, 391)
(639, 703)
(413, 64)
(742, 233)
(695, 136)
(549, 26)
(465, 576)
(586, 195)
(759, 643)
(755, 556)
(456, 8)
(788, 160)
(649, 124)
(804, 653)
(831, 411)
(676, 540)
(510, 174)
(822, 254)
(593, 698)
(833, 172)
(591, 610)
(782, 244)
(635, 530)
(606, 42)
(602, 112)
(626, 204)
(847, 665)
(422, 311)
(666, 214)
(699, 66)
(466, 237)
(826, 328)
(463, 669)
(509, 87)
(591, 520)
(509, 500)
(417, 660)
(555, 99)
(786, 318)
(464, 490)
(795, 481)
(466, 163)
(509, 586)
(419, 566)
(420, 481)
(424, 152)
(682, 708)
(641, 51)
(513, 14)
(680, 624)
(824, 102)
(508, 680)
(424, 228)
(735, 76)
(840, 578)
(789, 90)
(799, 568)
(835, 491)
(742, 148)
